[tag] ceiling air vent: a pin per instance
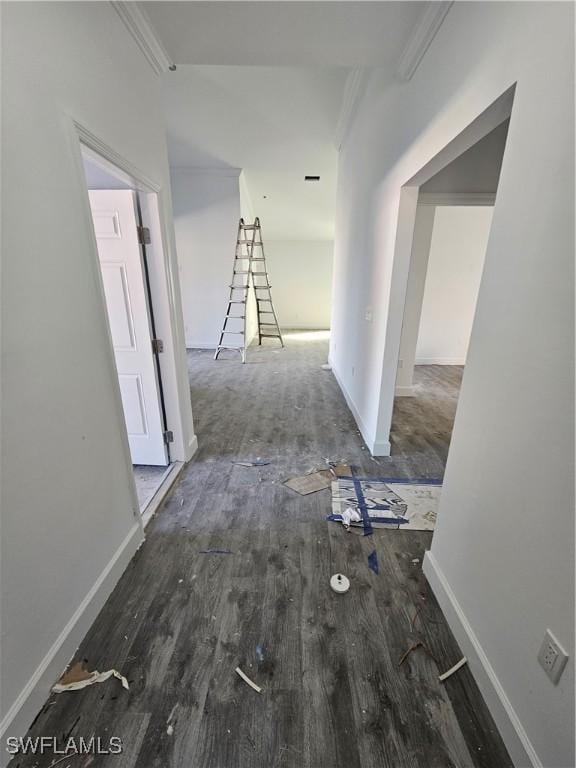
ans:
(311, 178)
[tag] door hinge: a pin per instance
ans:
(157, 346)
(168, 436)
(144, 235)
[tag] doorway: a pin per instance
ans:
(451, 229)
(122, 237)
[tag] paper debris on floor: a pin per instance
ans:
(385, 503)
(256, 463)
(315, 481)
(78, 677)
(453, 669)
(350, 516)
(247, 680)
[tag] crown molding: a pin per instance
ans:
(422, 36)
(138, 24)
(353, 92)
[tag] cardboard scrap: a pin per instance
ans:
(78, 677)
(315, 481)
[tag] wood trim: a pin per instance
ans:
(404, 391)
(106, 153)
(421, 38)
(140, 27)
(156, 200)
(376, 447)
(353, 91)
(162, 491)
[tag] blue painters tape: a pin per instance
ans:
(216, 552)
(399, 480)
(337, 518)
(373, 562)
(368, 530)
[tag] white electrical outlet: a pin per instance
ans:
(552, 657)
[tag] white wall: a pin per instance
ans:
(301, 276)
(421, 241)
(207, 206)
(69, 511)
(457, 250)
(503, 571)
(206, 213)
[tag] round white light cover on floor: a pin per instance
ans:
(339, 583)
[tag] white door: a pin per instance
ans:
(115, 224)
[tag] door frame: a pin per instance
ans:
(494, 114)
(164, 288)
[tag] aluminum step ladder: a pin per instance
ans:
(249, 270)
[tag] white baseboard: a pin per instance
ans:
(377, 448)
(34, 694)
(192, 447)
(381, 448)
(194, 345)
(156, 500)
(509, 726)
(440, 361)
(404, 391)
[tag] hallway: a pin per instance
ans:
(179, 621)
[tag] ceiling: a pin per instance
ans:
(275, 123)
(327, 34)
(259, 87)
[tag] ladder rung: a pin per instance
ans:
(247, 234)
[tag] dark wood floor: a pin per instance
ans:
(179, 622)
